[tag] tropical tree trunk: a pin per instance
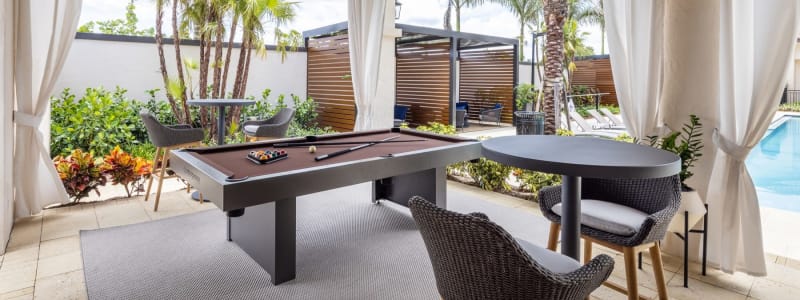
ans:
(237, 84)
(521, 41)
(218, 57)
(554, 15)
(458, 17)
(160, 45)
(176, 40)
(232, 31)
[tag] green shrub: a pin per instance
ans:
(564, 132)
(793, 107)
(532, 181)
(624, 137)
(490, 175)
(438, 128)
(95, 123)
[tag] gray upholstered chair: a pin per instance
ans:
(492, 115)
(272, 128)
(627, 215)
(474, 258)
(166, 138)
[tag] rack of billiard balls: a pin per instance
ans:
(267, 156)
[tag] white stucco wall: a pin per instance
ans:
(134, 66)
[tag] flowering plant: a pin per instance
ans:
(79, 173)
(126, 170)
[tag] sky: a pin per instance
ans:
(488, 19)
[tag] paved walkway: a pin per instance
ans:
(43, 258)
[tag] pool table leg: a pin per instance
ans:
(266, 232)
(430, 184)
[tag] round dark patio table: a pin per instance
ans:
(221, 103)
(576, 157)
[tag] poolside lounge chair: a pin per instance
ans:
(601, 121)
(611, 116)
(588, 130)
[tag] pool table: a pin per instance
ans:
(259, 199)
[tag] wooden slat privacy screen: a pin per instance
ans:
(423, 81)
(596, 73)
(329, 84)
(486, 78)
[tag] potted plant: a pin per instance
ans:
(525, 94)
(687, 144)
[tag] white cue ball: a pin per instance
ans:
(312, 149)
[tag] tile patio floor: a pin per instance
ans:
(43, 256)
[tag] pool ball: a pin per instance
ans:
(312, 149)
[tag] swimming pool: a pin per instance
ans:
(774, 165)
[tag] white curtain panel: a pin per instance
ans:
(635, 45)
(45, 30)
(757, 41)
(365, 31)
(6, 122)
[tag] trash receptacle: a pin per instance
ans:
(530, 122)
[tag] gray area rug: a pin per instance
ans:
(347, 248)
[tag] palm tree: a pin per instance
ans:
(589, 12)
(555, 12)
(527, 12)
(458, 5)
(159, 36)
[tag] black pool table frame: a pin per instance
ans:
(262, 210)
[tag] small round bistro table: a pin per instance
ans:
(576, 157)
(221, 104)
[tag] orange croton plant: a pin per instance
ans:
(79, 173)
(124, 169)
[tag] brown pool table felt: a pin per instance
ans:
(232, 160)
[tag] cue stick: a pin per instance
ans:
(303, 144)
(351, 149)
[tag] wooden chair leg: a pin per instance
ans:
(188, 188)
(587, 251)
(152, 174)
(658, 271)
(630, 273)
(164, 161)
(552, 241)
(200, 197)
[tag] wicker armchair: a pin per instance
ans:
(656, 200)
(492, 114)
(474, 258)
(166, 138)
(272, 128)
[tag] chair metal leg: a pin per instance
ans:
(686, 249)
(552, 241)
(630, 272)
(658, 271)
(150, 180)
(164, 161)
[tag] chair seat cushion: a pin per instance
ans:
(553, 261)
(609, 217)
(251, 129)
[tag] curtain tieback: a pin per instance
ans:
(732, 149)
(26, 119)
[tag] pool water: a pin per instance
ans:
(774, 165)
